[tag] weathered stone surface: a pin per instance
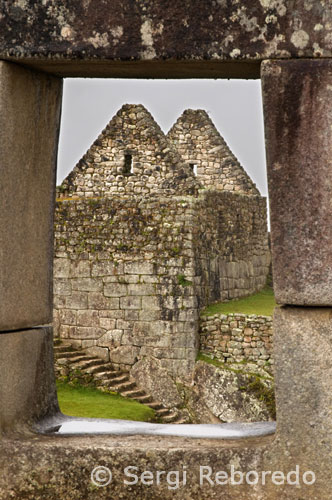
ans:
(237, 337)
(200, 145)
(225, 394)
(298, 131)
(150, 375)
(162, 313)
(29, 123)
(125, 354)
(27, 383)
(131, 155)
(68, 475)
(303, 374)
(155, 260)
(119, 38)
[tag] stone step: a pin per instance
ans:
(156, 406)
(121, 387)
(82, 357)
(107, 375)
(133, 394)
(67, 354)
(163, 412)
(62, 361)
(145, 400)
(88, 363)
(170, 419)
(180, 420)
(94, 370)
(120, 379)
(62, 347)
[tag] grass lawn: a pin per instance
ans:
(261, 303)
(88, 402)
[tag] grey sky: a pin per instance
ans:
(234, 106)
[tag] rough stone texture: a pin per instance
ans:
(298, 131)
(225, 394)
(194, 39)
(231, 246)
(29, 123)
(303, 375)
(67, 475)
(201, 146)
(135, 272)
(155, 379)
(37, 33)
(153, 166)
(237, 337)
(27, 383)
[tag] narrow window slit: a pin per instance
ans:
(128, 167)
(193, 168)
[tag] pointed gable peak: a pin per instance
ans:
(136, 111)
(193, 113)
(192, 119)
(135, 115)
(131, 150)
(199, 143)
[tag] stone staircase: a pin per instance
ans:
(106, 378)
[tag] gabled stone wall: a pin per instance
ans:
(131, 156)
(200, 145)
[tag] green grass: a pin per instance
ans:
(88, 402)
(261, 303)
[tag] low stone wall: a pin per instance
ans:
(237, 337)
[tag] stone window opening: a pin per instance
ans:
(124, 157)
(193, 167)
(128, 168)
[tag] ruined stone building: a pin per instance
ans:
(150, 229)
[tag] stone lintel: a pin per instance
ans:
(84, 38)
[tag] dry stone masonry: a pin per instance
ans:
(141, 245)
(131, 156)
(202, 147)
(237, 337)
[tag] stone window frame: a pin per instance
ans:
(193, 167)
(128, 166)
(26, 349)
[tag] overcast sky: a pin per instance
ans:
(234, 106)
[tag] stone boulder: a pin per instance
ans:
(155, 380)
(229, 395)
(125, 354)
